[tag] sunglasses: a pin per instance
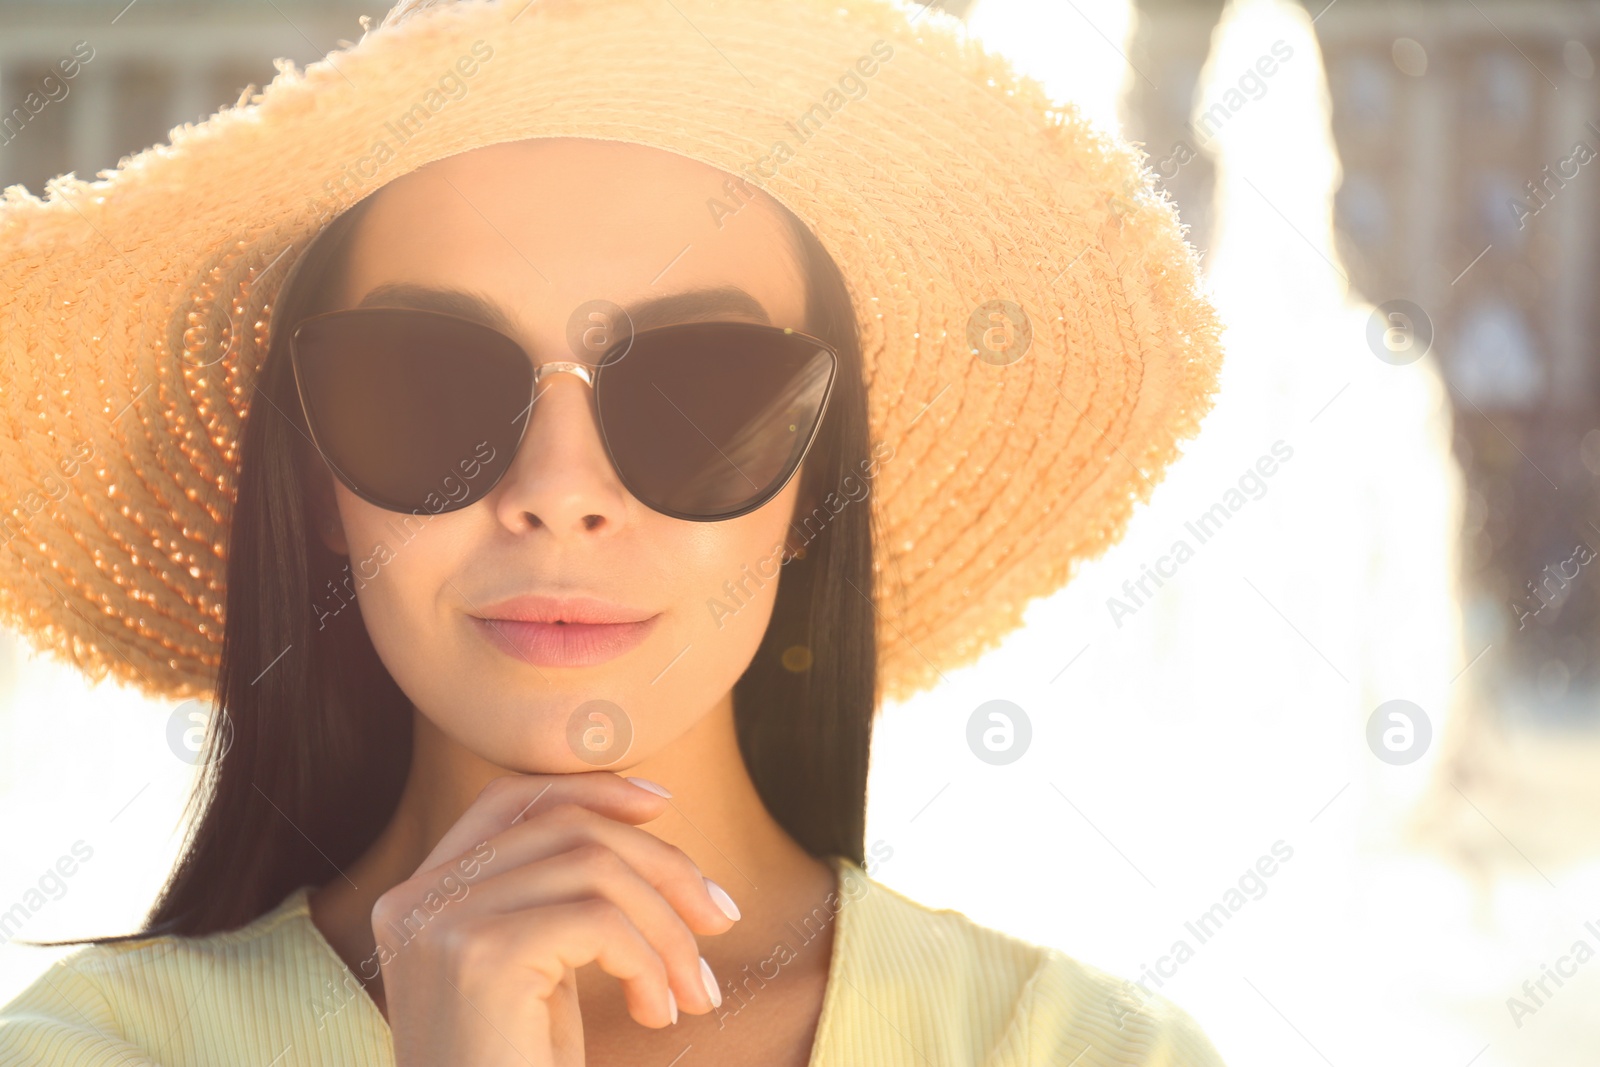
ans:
(421, 411)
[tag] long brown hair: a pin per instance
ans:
(321, 734)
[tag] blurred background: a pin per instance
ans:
(1383, 662)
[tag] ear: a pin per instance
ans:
(323, 513)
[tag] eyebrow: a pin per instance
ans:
(690, 305)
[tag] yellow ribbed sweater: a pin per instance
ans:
(907, 985)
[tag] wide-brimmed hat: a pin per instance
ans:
(1034, 337)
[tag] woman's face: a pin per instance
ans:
(540, 229)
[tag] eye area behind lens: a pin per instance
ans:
(709, 420)
(416, 410)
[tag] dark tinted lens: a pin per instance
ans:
(708, 420)
(418, 411)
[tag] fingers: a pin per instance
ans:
(532, 817)
(572, 935)
(594, 871)
(554, 848)
(512, 798)
(666, 868)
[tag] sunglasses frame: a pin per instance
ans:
(593, 375)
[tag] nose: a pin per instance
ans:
(561, 478)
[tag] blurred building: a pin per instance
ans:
(1469, 138)
(1471, 188)
(83, 84)
(1471, 157)
(1249, 724)
(1171, 41)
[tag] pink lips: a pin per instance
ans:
(563, 632)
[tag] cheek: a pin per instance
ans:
(397, 565)
(736, 571)
(715, 582)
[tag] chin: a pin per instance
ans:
(558, 730)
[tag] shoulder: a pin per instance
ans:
(1073, 1006)
(120, 1002)
(1003, 1001)
(113, 968)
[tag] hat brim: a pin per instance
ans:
(1035, 340)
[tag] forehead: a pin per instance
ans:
(545, 226)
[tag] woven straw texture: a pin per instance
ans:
(134, 307)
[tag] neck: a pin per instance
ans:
(716, 817)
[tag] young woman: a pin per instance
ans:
(557, 609)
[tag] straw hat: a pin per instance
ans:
(1034, 338)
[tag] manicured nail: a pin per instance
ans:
(711, 983)
(672, 1005)
(723, 900)
(650, 787)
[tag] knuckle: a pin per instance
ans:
(568, 812)
(391, 903)
(681, 941)
(495, 788)
(597, 860)
(403, 917)
(680, 871)
(604, 916)
(464, 949)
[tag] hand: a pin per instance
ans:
(478, 967)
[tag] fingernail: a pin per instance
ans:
(650, 787)
(711, 983)
(723, 900)
(672, 1005)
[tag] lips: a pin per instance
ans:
(563, 632)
